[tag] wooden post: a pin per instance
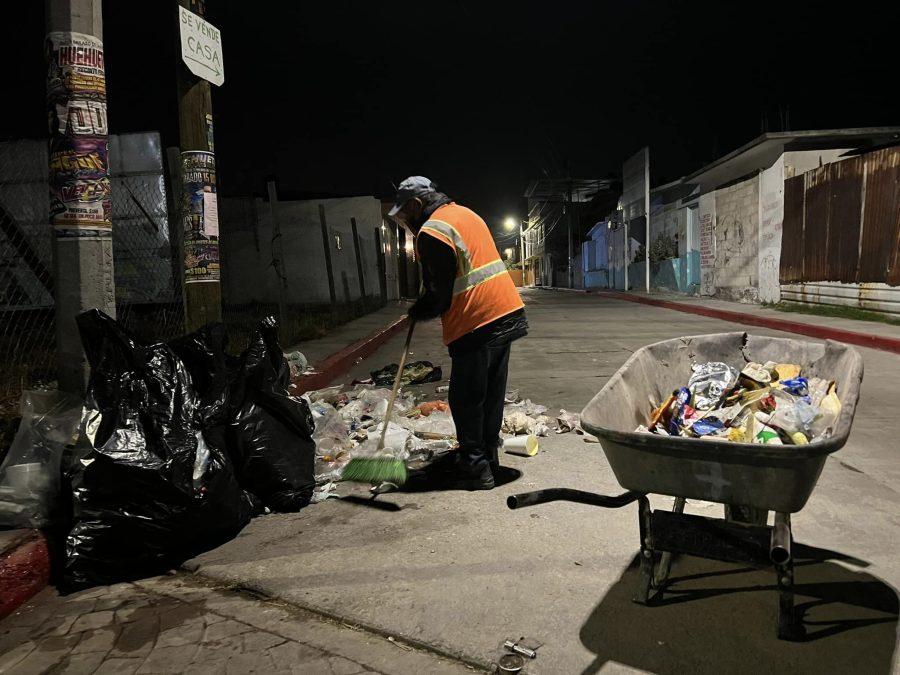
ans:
(202, 287)
(278, 261)
(326, 242)
(379, 256)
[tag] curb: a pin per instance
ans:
(24, 568)
(343, 360)
(880, 342)
(561, 288)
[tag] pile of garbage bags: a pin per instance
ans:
(179, 445)
(768, 403)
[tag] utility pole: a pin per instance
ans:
(80, 213)
(522, 248)
(569, 228)
(647, 216)
(199, 207)
(278, 260)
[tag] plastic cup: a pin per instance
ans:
(524, 446)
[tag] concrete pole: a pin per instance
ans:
(522, 248)
(647, 215)
(571, 271)
(79, 177)
(202, 287)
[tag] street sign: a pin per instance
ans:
(201, 47)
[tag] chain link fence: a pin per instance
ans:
(146, 259)
(27, 336)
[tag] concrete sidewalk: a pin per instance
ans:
(321, 348)
(458, 572)
(854, 325)
(178, 624)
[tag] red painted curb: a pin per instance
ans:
(881, 342)
(24, 570)
(342, 361)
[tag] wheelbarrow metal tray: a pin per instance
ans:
(773, 477)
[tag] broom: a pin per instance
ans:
(377, 470)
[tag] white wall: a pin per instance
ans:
(737, 233)
(771, 218)
(706, 215)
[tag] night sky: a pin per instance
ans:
(348, 97)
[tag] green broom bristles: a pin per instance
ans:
(375, 470)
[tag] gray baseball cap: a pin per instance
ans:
(414, 186)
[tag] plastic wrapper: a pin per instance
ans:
(425, 409)
(437, 423)
(331, 431)
(709, 382)
(829, 411)
(567, 421)
(30, 473)
(708, 426)
(148, 489)
(297, 363)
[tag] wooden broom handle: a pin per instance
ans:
(390, 408)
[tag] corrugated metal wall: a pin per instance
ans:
(842, 222)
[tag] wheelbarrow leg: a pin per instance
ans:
(788, 628)
(642, 596)
(665, 560)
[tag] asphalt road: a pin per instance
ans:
(459, 572)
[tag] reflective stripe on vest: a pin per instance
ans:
(464, 261)
(478, 276)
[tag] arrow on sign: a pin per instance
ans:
(214, 70)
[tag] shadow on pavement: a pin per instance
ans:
(716, 617)
(423, 482)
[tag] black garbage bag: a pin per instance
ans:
(270, 431)
(149, 489)
(246, 404)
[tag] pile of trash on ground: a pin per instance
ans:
(768, 403)
(349, 420)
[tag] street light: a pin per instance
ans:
(511, 224)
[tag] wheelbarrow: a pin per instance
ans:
(745, 477)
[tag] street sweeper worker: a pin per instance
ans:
(467, 284)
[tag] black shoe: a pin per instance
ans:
(448, 475)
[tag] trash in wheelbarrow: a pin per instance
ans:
(739, 463)
(750, 405)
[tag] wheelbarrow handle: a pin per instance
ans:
(570, 495)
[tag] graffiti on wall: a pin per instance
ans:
(76, 111)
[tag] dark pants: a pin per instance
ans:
(477, 392)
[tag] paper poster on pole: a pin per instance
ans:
(201, 47)
(200, 216)
(79, 163)
(210, 215)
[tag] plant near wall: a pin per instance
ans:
(664, 247)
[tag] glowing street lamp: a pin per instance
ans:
(510, 223)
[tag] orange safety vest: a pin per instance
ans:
(483, 290)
